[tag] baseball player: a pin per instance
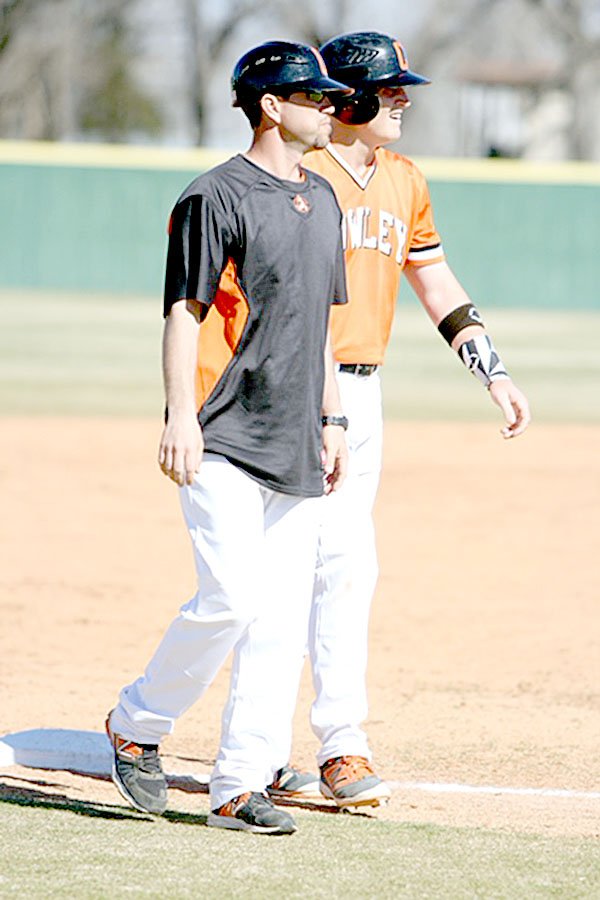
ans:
(388, 229)
(253, 432)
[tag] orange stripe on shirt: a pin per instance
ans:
(220, 333)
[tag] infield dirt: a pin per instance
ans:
(485, 648)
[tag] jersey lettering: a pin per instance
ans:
(353, 228)
(401, 231)
(370, 242)
(358, 231)
(387, 222)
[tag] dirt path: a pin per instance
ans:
(485, 647)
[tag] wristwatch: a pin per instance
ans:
(335, 420)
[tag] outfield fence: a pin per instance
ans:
(92, 218)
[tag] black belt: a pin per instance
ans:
(358, 368)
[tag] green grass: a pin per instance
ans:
(74, 355)
(554, 357)
(60, 848)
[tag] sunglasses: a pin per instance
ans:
(313, 96)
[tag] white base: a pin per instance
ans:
(57, 748)
(62, 749)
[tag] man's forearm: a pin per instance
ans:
(180, 353)
(181, 444)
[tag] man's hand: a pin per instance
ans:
(335, 457)
(181, 448)
(513, 404)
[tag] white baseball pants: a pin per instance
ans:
(345, 579)
(254, 551)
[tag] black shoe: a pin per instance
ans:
(137, 773)
(252, 812)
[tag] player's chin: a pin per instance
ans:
(321, 140)
(394, 129)
(322, 137)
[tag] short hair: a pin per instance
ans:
(253, 111)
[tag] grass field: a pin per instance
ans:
(57, 849)
(101, 355)
(552, 356)
(66, 354)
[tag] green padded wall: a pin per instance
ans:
(522, 244)
(85, 218)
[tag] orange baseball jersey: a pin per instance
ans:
(387, 223)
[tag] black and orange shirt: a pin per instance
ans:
(264, 257)
(387, 223)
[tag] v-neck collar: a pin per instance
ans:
(361, 182)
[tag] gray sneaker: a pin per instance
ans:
(137, 773)
(252, 812)
(290, 783)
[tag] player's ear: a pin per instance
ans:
(271, 107)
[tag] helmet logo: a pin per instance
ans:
(320, 61)
(302, 205)
(402, 60)
(358, 55)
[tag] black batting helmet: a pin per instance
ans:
(281, 65)
(367, 61)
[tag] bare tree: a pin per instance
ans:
(64, 67)
(568, 21)
(112, 105)
(313, 21)
(489, 30)
(448, 23)
(210, 29)
(28, 75)
(10, 11)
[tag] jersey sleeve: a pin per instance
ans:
(340, 292)
(426, 245)
(198, 251)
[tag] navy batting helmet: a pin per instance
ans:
(367, 61)
(281, 66)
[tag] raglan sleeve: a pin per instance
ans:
(198, 250)
(425, 244)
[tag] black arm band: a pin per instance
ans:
(459, 318)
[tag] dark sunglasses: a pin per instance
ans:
(313, 96)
